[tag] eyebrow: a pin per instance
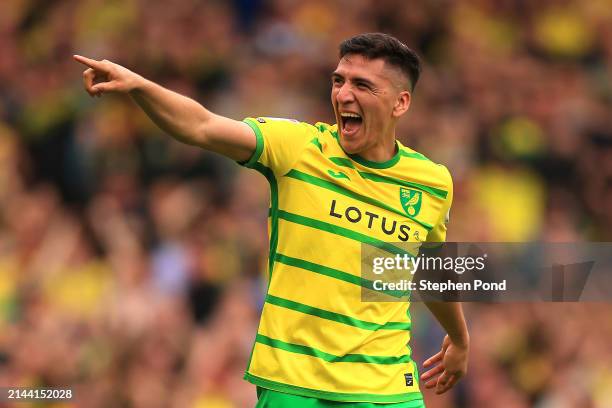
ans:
(355, 79)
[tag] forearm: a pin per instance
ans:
(180, 116)
(450, 316)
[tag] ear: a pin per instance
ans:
(402, 103)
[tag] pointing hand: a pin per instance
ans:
(105, 76)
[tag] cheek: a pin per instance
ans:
(334, 100)
(377, 114)
(383, 112)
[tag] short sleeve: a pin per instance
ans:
(438, 232)
(279, 142)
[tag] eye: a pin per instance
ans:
(337, 81)
(362, 86)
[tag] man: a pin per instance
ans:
(333, 188)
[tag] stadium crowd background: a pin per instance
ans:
(131, 266)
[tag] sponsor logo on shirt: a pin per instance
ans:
(356, 215)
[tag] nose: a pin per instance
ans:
(345, 94)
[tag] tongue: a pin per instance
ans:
(351, 124)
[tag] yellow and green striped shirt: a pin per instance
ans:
(316, 337)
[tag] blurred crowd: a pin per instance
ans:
(132, 267)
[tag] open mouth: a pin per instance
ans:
(351, 122)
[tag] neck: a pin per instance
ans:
(381, 152)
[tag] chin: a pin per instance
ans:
(350, 147)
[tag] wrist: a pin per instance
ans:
(462, 340)
(138, 84)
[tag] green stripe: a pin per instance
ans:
(413, 155)
(416, 396)
(258, 146)
(342, 161)
(322, 127)
(338, 175)
(274, 212)
(376, 165)
(401, 152)
(334, 273)
(321, 269)
(333, 316)
(344, 232)
(330, 358)
(267, 172)
(391, 180)
(417, 377)
(316, 142)
(298, 175)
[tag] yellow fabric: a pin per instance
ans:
(324, 204)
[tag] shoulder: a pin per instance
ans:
(324, 135)
(281, 130)
(267, 122)
(326, 131)
(323, 127)
(436, 171)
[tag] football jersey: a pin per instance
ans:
(316, 336)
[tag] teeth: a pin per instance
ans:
(349, 115)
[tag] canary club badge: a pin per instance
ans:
(411, 200)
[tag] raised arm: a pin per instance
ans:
(180, 116)
(450, 363)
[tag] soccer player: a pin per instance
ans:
(333, 188)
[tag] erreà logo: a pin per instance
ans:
(409, 380)
(411, 200)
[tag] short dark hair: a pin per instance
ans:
(390, 49)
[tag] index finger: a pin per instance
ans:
(91, 63)
(430, 373)
(435, 358)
